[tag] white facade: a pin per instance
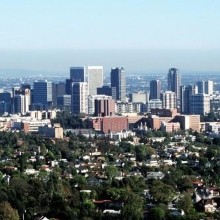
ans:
(209, 87)
(139, 97)
(153, 103)
(129, 107)
(168, 100)
(95, 78)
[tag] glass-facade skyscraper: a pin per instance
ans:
(79, 98)
(174, 81)
(43, 93)
(118, 82)
(155, 89)
(77, 74)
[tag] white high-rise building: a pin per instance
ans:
(95, 78)
(168, 100)
(209, 87)
(79, 97)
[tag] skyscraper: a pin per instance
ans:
(77, 74)
(168, 100)
(201, 87)
(58, 89)
(155, 89)
(205, 87)
(5, 102)
(22, 102)
(118, 82)
(79, 98)
(174, 81)
(209, 87)
(95, 78)
(43, 93)
(200, 104)
(185, 93)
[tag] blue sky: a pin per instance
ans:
(35, 33)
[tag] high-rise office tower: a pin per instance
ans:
(118, 82)
(95, 78)
(205, 87)
(79, 98)
(21, 99)
(201, 87)
(185, 93)
(104, 90)
(200, 104)
(42, 93)
(64, 102)
(155, 89)
(77, 74)
(5, 102)
(58, 89)
(22, 102)
(168, 100)
(174, 81)
(209, 87)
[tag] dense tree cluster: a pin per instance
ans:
(70, 121)
(64, 193)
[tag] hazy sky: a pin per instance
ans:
(53, 35)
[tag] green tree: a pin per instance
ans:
(185, 203)
(7, 212)
(158, 212)
(133, 207)
(111, 172)
(161, 192)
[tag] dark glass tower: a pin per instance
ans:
(185, 95)
(118, 82)
(174, 81)
(155, 89)
(77, 74)
(43, 93)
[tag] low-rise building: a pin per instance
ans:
(170, 126)
(52, 132)
(110, 124)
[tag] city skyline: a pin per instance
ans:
(140, 36)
